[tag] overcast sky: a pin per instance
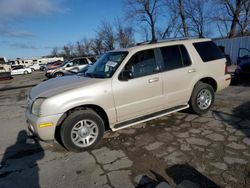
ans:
(30, 28)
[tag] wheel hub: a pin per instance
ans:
(83, 132)
(204, 99)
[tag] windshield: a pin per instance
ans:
(64, 63)
(106, 65)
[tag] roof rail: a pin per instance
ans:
(165, 40)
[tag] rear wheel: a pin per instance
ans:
(25, 72)
(202, 98)
(82, 130)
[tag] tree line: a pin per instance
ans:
(161, 19)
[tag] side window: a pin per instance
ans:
(92, 59)
(142, 63)
(208, 51)
(75, 62)
(83, 61)
(175, 57)
(185, 56)
(171, 57)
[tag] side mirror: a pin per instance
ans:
(126, 75)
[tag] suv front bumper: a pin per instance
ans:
(42, 127)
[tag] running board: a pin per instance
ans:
(148, 117)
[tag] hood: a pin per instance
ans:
(58, 85)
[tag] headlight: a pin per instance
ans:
(36, 110)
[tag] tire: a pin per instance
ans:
(202, 98)
(58, 74)
(76, 132)
(32, 70)
(25, 72)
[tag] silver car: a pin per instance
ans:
(126, 87)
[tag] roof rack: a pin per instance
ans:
(165, 40)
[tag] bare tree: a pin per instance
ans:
(54, 52)
(97, 45)
(177, 8)
(235, 14)
(87, 46)
(183, 18)
(169, 28)
(107, 34)
(144, 11)
(79, 48)
(244, 20)
(68, 51)
(197, 17)
(124, 35)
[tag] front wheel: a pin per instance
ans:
(82, 130)
(202, 98)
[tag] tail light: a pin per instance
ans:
(226, 69)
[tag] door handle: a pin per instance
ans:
(191, 70)
(153, 80)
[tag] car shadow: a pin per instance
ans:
(183, 175)
(240, 114)
(242, 82)
(19, 166)
(187, 176)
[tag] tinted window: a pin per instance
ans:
(185, 56)
(208, 51)
(83, 61)
(175, 57)
(92, 59)
(142, 64)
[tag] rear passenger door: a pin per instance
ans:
(178, 72)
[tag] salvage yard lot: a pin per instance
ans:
(212, 150)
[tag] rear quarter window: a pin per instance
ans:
(208, 51)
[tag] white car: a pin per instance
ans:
(35, 67)
(20, 69)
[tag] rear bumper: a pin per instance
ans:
(224, 82)
(44, 133)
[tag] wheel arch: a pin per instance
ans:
(99, 110)
(210, 81)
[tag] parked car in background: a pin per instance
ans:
(5, 72)
(81, 72)
(53, 65)
(243, 56)
(42, 66)
(35, 67)
(242, 72)
(73, 65)
(126, 87)
(20, 69)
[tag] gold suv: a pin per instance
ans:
(126, 87)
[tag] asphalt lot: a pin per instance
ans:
(182, 149)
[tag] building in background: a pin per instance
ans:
(235, 47)
(30, 62)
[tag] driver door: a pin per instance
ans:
(142, 93)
